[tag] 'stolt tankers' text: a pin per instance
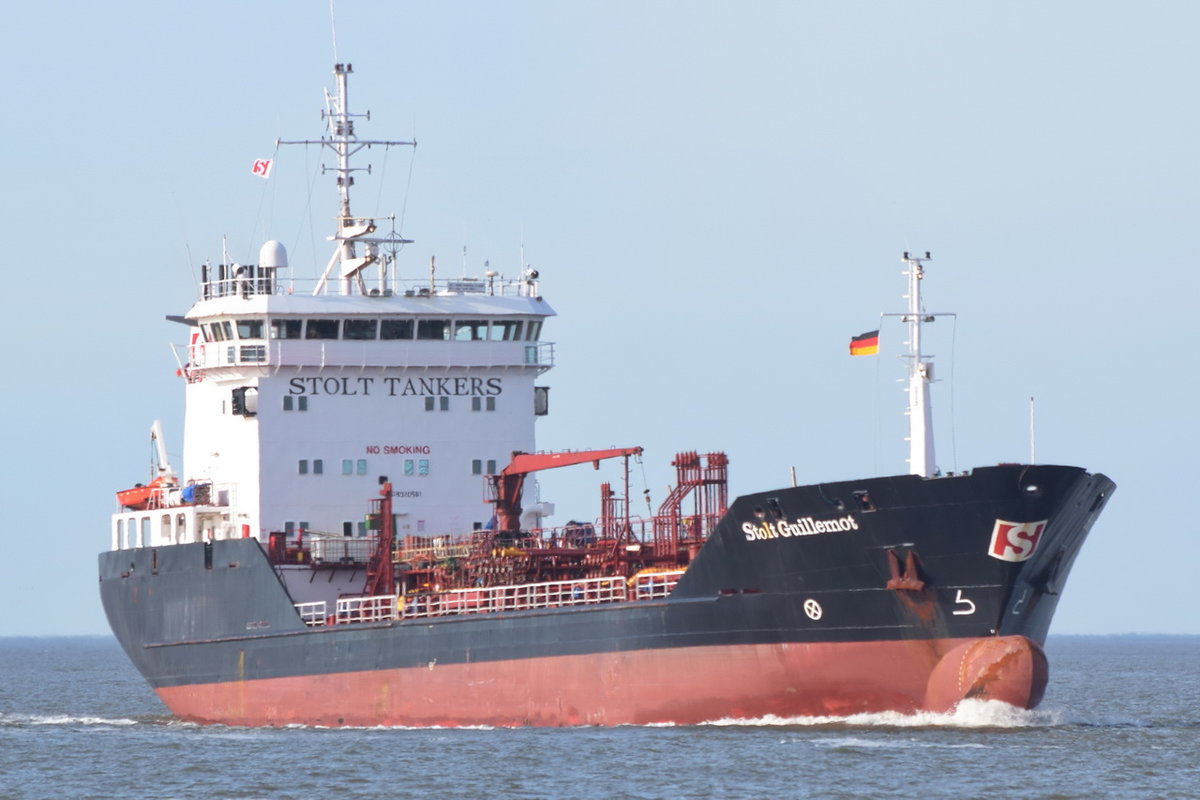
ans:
(396, 387)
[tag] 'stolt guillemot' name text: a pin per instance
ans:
(805, 526)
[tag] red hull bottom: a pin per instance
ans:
(682, 686)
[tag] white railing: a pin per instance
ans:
(490, 599)
(519, 597)
(655, 585)
(222, 283)
(312, 614)
(366, 609)
(342, 549)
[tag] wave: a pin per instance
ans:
(968, 714)
(12, 720)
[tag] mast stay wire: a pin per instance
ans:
(259, 221)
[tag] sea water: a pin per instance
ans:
(1121, 718)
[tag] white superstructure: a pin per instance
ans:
(298, 401)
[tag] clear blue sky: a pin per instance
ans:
(717, 195)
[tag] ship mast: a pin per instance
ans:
(921, 460)
(351, 231)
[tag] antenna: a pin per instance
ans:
(1032, 434)
(333, 29)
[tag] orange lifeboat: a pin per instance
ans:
(142, 496)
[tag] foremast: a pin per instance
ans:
(356, 247)
(921, 456)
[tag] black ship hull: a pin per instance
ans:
(897, 593)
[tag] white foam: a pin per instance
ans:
(968, 714)
(62, 719)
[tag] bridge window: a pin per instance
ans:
(285, 328)
(507, 330)
(321, 329)
(470, 330)
(435, 329)
(219, 331)
(396, 329)
(250, 328)
(359, 328)
(534, 331)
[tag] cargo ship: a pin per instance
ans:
(355, 538)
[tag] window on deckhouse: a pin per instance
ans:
(506, 330)
(321, 329)
(432, 329)
(470, 330)
(250, 328)
(359, 328)
(396, 329)
(286, 328)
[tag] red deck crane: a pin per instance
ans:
(508, 483)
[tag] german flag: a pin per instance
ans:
(865, 344)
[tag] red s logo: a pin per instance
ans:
(1015, 541)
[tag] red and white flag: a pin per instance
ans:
(262, 168)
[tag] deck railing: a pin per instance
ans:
(366, 609)
(492, 599)
(312, 614)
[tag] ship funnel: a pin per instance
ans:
(272, 254)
